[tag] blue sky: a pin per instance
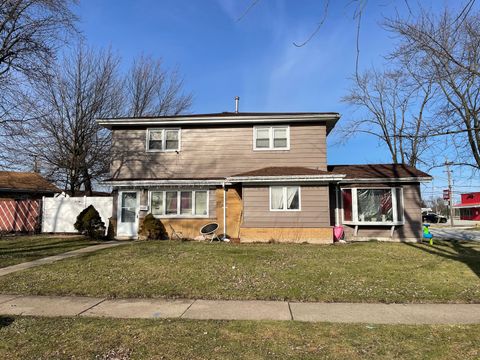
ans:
(255, 58)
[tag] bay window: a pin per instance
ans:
(372, 206)
(284, 198)
(181, 203)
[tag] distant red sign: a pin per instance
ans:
(446, 194)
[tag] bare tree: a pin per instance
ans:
(30, 31)
(150, 90)
(445, 50)
(72, 149)
(392, 109)
(62, 133)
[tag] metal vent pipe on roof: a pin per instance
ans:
(237, 100)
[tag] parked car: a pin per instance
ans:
(431, 217)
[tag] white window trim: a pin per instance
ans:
(270, 138)
(163, 130)
(284, 189)
(178, 215)
(355, 220)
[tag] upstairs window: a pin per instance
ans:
(271, 138)
(284, 198)
(163, 139)
(370, 206)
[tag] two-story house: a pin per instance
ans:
(261, 176)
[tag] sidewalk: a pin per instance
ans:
(241, 310)
(51, 259)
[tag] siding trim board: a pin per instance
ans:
(276, 179)
(160, 183)
(222, 120)
(389, 180)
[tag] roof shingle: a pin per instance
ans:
(378, 171)
(283, 171)
(25, 181)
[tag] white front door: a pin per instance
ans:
(127, 213)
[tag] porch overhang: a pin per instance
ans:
(386, 180)
(286, 179)
(132, 184)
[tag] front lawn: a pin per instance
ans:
(360, 272)
(18, 249)
(81, 338)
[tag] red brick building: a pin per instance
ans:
(469, 208)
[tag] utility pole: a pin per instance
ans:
(450, 192)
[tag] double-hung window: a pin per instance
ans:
(181, 203)
(163, 139)
(271, 138)
(284, 198)
(372, 206)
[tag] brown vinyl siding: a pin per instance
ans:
(314, 208)
(214, 152)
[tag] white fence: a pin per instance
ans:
(60, 213)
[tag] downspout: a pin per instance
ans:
(224, 211)
(337, 206)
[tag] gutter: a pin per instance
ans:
(108, 123)
(388, 180)
(261, 179)
(149, 183)
(296, 178)
(224, 211)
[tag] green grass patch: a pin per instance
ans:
(19, 249)
(360, 272)
(80, 338)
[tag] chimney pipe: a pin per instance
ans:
(237, 99)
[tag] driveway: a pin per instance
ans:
(456, 234)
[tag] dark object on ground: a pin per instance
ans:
(209, 231)
(431, 217)
(6, 321)
(90, 223)
(152, 229)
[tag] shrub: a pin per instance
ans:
(90, 223)
(152, 229)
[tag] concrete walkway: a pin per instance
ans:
(241, 310)
(51, 259)
(461, 234)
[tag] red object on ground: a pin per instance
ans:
(338, 233)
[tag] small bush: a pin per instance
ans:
(152, 229)
(90, 223)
